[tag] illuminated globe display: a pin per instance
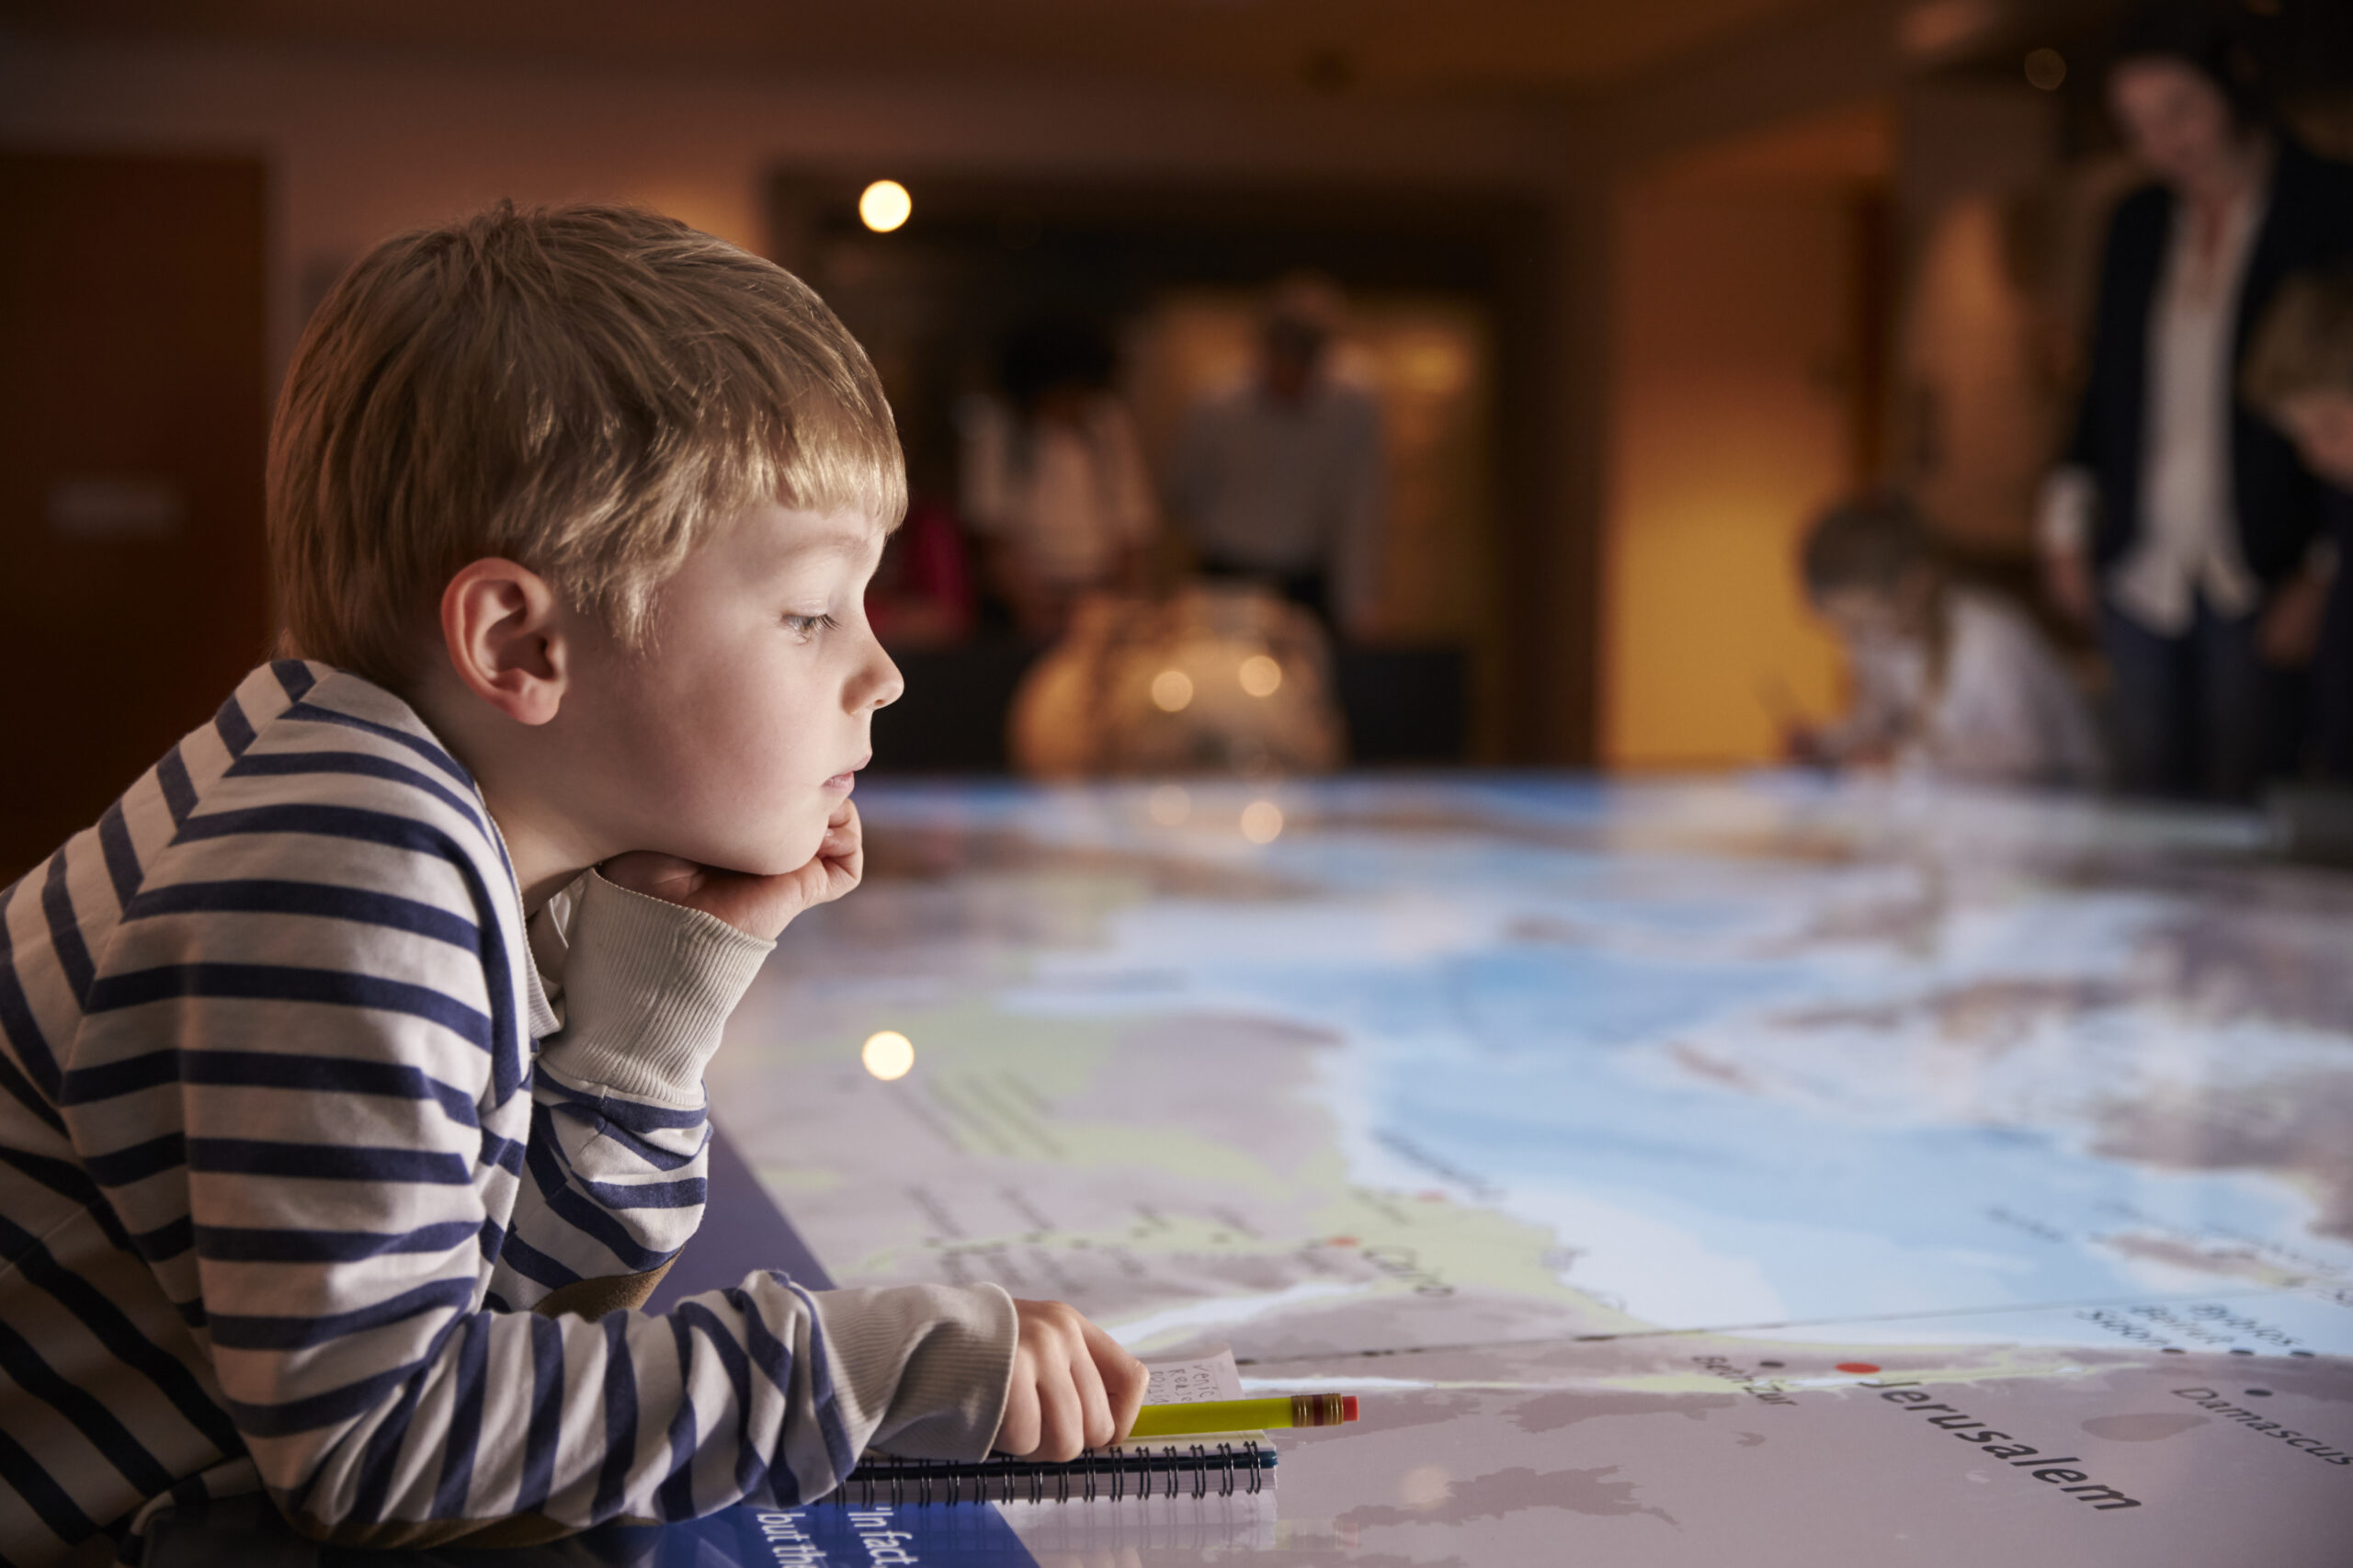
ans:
(1223, 678)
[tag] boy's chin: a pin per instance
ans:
(776, 857)
(770, 846)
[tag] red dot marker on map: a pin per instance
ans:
(1860, 1368)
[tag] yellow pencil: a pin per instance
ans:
(1244, 1415)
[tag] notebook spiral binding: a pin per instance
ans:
(1195, 1470)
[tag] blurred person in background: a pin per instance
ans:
(922, 593)
(1053, 478)
(1279, 479)
(1951, 683)
(2180, 523)
(2299, 375)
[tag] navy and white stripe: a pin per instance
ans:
(278, 1176)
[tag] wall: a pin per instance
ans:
(1734, 374)
(1991, 245)
(132, 427)
(365, 144)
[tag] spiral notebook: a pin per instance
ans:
(1223, 1465)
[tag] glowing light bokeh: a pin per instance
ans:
(1262, 822)
(1172, 691)
(1260, 675)
(888, 1055)
(884, 205)
(1425, 1487)
(2046, 69)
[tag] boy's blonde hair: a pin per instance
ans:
(2305, 342)
(585, 390)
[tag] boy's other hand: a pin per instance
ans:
(1073, 1386)
(763, 906)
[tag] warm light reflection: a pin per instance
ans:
(2046, 68)
(884, 205)
(888, 1055)
(1172, 691)
(1425, 1487)
(1170, 805)
(1261, 822)
(1261, 676)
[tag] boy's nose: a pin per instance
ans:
(883, 685)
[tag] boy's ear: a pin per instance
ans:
(501, 625)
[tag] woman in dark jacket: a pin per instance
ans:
(2181, 520)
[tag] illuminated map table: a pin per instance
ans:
(1760, 1172)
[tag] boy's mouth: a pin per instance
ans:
(847, 781)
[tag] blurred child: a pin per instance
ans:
(1950, 682)
(1054, 480)
(2299, 375)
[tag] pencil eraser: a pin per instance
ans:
(1348, 1407)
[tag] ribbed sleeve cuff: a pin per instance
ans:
(648, 985)
(934, 1362)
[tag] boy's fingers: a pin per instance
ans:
(1094, 1404)
(1017, 1433)
(1073, 1386)
(1060, 1421)
(1123, 1378)
(844, 843)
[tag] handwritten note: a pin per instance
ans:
(1193, 1383)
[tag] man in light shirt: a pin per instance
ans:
(1279, 479)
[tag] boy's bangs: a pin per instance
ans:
(842, 464)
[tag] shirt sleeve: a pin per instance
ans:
(614, 1170)
(318, 1071)
(2064, 509)
(2128, 229)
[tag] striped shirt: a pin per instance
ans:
(294, 1137)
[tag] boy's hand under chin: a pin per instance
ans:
(762, 906)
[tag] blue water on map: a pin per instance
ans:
(1533, 1065)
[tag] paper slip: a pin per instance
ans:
(1197, 1381)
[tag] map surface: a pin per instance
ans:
(1676, 1169)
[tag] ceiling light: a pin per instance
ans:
(884, 205)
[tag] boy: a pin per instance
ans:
(1950, 682)
(2299, 375)
(353, 1059)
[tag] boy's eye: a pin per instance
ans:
(807, 625)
